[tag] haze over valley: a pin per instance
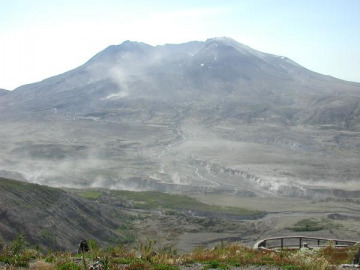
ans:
(198, 117)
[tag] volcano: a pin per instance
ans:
(213, 116)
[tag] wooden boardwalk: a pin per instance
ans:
(296, 242)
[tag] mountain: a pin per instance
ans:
(213, 116)
(219, 69)
(3, 92)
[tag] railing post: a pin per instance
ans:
(300, 242)
(282, 243)
(318, 242)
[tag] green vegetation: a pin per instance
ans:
(309, 225)
(154, 199)
(48, 235)
(127, 236)
(148, 256)
(91, 195)
(68, 266)
(215, 265)
(21, 186)
(18, 253)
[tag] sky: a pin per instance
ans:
(43, 38)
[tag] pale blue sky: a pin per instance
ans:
(42, 38)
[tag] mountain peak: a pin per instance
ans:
(134, 44)
(226, 41)
(110, 53)
(221, 39)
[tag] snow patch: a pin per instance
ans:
(117, 95)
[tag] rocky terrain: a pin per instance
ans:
(59, 219)
(52, 218)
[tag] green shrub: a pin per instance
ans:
(18, 245)
(50, 259)
(15, 260)
(94, 247)
(216, 265)
(68, 266)
(307, 225)
(164, 267)
(147, 250)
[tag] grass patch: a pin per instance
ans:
(154, 199)
(91, 195)
(306, 225)
(15, 185)
(68, 266)
(47, 235)
(311, 225)
(216, 265)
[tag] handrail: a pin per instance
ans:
(262, 244)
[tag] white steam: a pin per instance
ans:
(119, 77)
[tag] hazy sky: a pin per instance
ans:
(42, 38)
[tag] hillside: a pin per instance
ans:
(152, 230)
(56, 219)
(59, 219)
(53, 218)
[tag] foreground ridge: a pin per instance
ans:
(149, 256)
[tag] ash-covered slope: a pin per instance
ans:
(53, 218)
(3, 92)
(213, 115)
(219, 69)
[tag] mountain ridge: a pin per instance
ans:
(114, 50)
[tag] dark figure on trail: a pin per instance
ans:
(357, 257)
(83, 247)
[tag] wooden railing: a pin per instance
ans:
(291, 242)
